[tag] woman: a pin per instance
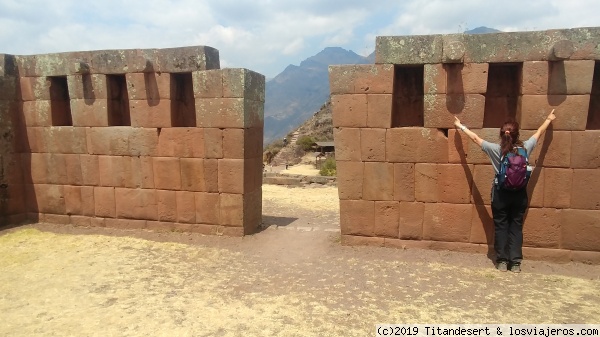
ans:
(508, 207)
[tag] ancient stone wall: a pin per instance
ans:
(407, 178)
(159, 139)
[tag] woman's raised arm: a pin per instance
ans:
(540, 131)
(474, 137)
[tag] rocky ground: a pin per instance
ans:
(291, 279)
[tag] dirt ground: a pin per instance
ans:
(291, 279)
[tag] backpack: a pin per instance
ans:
(514, 171)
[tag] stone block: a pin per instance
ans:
(181, 142)
(404, 182)
(361, 79)
(58, 219)
(357, 217)
(585, 147)
(90, 169)
(8, 65)
(415, 49)
(372, 144)
(125, 224)
(482, 225)
(243, 83)
(541, 228)
(80, 221)
(148, 86)
(104, 202)
(586, 257)
(114, 170)
(166, 203)
(34, 88)
(231, 176)
(443, 183)
(253, 171)
(554, 150)
(447, 222)
(231, 209)
(466, 78)
(73, 170)
(187, 59)
(410, 220)
(585, 193)
(379, 111)
(89, 113)
(434, 78)
(378, 181)
(458, 143)
(350, 179)
(572, 110)
(547, 254)
(79, 200)
(141, 173)
(535, 188)
(87, 87)
(440, 110)
(200, 175)
(151, 113)
(186, 207)
(167, 173)
(234, 143)
(453, 50)
(570, 77)
(122, 141)
(37, 113)
(252, 211)
(15, 202)
(208, 208)
(580, 229)
(64, 139)
(213, 143)
(557, 186)
(208, 83)
(483, 180)
(10, 113)
(349, 110)
(346, 141)
(136, 203)
(386, 218)
(229, 113)
(413, 145)
(49, 198)
(355, 240)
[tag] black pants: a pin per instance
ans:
(508, 210)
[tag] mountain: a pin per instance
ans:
(299, 91)
(482, 30)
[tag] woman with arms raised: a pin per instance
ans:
(508, 204)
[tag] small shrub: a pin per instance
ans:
(328, 168)
(305, 142)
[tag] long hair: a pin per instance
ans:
(509, 137)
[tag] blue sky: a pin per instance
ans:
(265, 35)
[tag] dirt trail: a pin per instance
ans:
(291, 279)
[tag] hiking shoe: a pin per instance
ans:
(515, 268)
(502, 266)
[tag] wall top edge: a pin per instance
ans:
(546, 45)
(112, 61)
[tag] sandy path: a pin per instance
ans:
(283, 281)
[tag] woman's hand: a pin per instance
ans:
(551, 116)
(457, 122)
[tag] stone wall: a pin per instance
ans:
(158, 139)
(407, 178)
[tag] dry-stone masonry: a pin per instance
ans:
(159, 139)
(407, 178)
